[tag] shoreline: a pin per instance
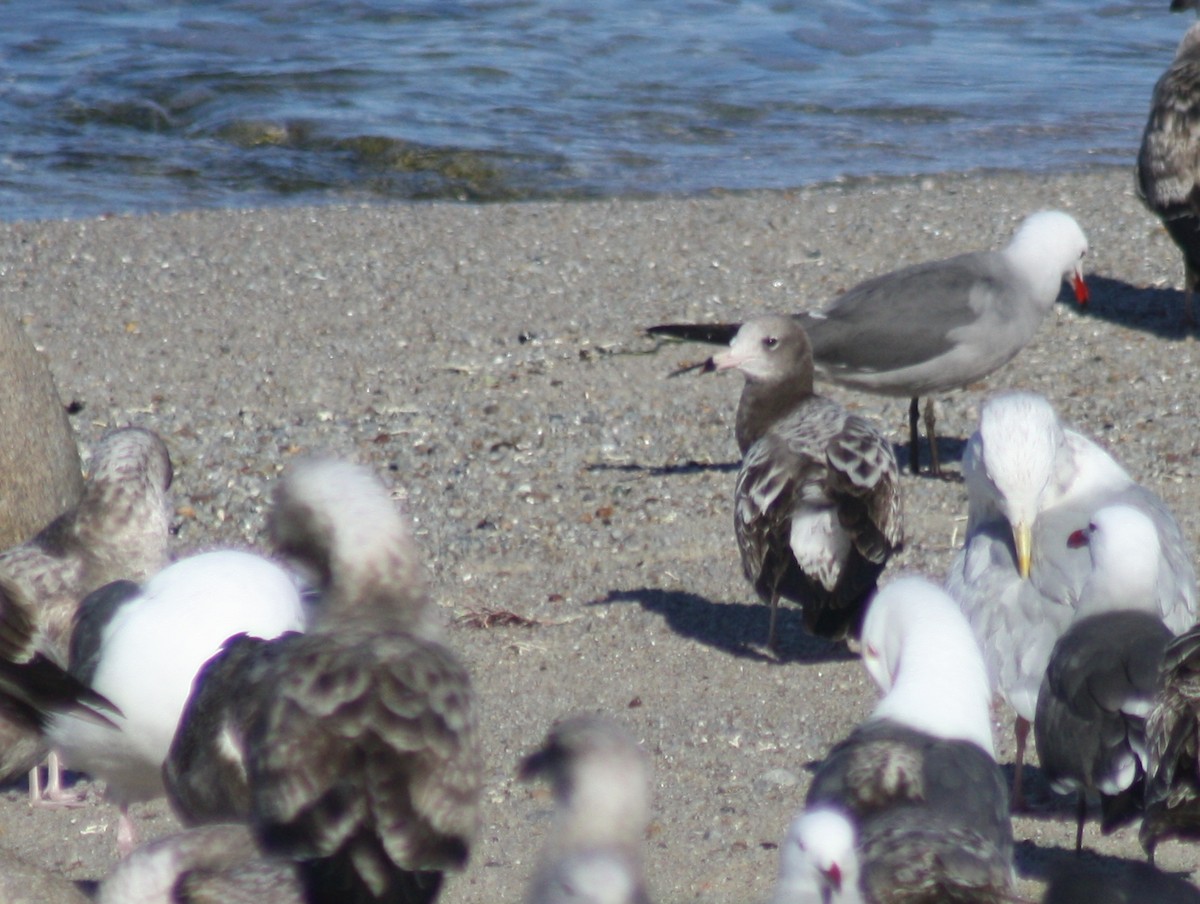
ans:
(487, 360)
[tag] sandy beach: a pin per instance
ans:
(488, 361)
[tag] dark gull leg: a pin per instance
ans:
(935, 467)
(1021, 731)
(772, 644)
(914, 454)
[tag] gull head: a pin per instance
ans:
(818, 861)
(1048, 248)
(1012, 461)
(772, 349)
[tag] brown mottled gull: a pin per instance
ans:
(355, 745)
(593, 853)
(118, 530)
(1168, 163)
(939, 325)
(817, 508)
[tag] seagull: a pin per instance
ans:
(599, 778)
(818, 860)
(118, 530)
(940, 325)
(354, 745)
(215, 863)
(140, 646)
(1031, 483)
(919, 773)
(1168, 163)
(817, 509)
(1172, 798)
(1100, 684)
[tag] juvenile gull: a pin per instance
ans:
(1091, 711)
(140, 647)
(217, 864)
(1172, 799)
(119, 529)
(919, 774)
(594, 848)
(355, 745)
(940, 325)
(1168, 164)
(1031, 483)
(817, 507)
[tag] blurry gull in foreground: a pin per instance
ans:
(140, 648)
(1168, 164)
(217, 864)
(1031, 483)
(354, 747)
(593, 853)
(918, 778)
(118, 530)
(817, 506)
(1099, 687)
(940, 325)
(818, 862)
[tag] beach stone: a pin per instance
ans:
(40, 473)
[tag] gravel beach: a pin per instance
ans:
(572, 500)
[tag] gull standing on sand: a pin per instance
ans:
(593, 854)
(940, 325)
(1168, 164)
(1090, 721)
(918, 778)
(1031, 483)
(817, 507)
(354, 747)
(118, 530)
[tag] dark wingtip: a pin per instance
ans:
(712, 333)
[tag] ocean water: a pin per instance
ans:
(110, 107)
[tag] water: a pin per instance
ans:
(113, 107)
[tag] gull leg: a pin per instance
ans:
(1080, 816)
(772, 642)
(127, 833)
(1017, 801)
(54, 796)
(914, 448)
(935, 467)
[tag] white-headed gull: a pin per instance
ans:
(940, 325)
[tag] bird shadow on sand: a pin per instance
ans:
(685, 467)
(950, 451)
(739, 629)
(1146, 308)
(1043, 863)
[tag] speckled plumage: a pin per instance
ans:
(599, 777)
(1172, 797)
(119, 529)
(1168, 164)
(353, 746)
(817, 509)
(216, 864)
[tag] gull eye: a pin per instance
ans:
(770, 342)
